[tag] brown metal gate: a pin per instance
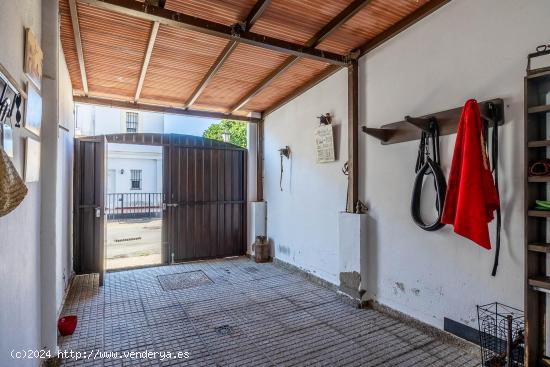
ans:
(205, 187)
(89, 199)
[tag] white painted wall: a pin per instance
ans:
(149, 175)
(303, 219)
(107, 120)
(467, 49)
(65, 161)
(56, 158)
(20, 230)
(127, 157)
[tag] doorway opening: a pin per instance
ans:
(133, 206)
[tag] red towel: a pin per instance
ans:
(471, 195)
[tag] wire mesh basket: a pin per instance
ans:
(501, 335)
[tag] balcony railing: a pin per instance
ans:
(134, 205)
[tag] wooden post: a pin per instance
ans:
(353, 135)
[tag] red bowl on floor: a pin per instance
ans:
(66, 325)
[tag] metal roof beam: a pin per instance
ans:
(183, 21)
(161, 109)
(332, 69)
(391, 32)
(146, 59)
(314, 41)
(78, 42)
(255, 13)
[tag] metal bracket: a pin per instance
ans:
(352, 56)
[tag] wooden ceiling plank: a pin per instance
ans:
(264, 83)
(141, 10)
(224, 55)
(161, 109)
(78, 42)
(402, 25)
(253, 16)
(337, 22)
(332, 69)
(391, 32)
(147, 58)
(326, 31)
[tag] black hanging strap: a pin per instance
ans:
(425, 165)
(494, 162)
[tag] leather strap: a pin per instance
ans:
(429, 168)
(494, 158)
(426, 166)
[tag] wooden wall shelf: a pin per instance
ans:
(539, 109)
(538, 144)
(540, 281)
(410, 128)
(538, 179)
(539, 247)
(539, 213)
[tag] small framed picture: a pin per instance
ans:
(33, 110)
(32, 160)
(33, 59)
(7, 140)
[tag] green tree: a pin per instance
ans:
(237, 132)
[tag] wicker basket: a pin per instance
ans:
(12, 188)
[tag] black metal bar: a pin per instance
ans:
(162, 109)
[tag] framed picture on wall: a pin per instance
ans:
(7, 140)
(32, 160)
(33, 110)
(33, 59)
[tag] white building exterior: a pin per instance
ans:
(134, 168)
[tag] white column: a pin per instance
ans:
(48, 174)
(352, 240)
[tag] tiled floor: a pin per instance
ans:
(250, 315)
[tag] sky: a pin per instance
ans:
(188, 125)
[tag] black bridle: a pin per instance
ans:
(425, 165)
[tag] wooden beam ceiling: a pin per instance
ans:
(235, 35)
(183, 21)
(383, 37)
(161, 109)
(319, 37)
(147, 58)
(255, 13)
(78, 43)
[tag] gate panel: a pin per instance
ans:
(207, 207)
(89, 203)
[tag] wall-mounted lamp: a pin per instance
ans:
(122, 171)
(226, 136)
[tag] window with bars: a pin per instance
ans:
(131, 122)
(135, 180)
